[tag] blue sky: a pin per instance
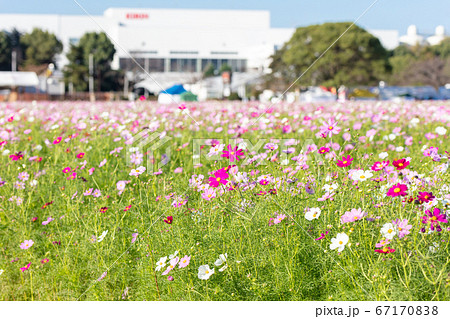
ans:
(386, 14)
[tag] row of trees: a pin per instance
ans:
(36, 50)
(31, 49)
(357, 58)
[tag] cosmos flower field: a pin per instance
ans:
(224, 201)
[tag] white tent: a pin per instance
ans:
(15, 79)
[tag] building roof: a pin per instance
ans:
(14, 79)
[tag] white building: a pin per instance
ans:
(175, 40)
(413, 37)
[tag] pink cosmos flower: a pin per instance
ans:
(184, 262)
(378, 166)
(66, 170)
(397, 190)
(330, 127)
(134, 235)
(326, 196)
(402, 227)
(232, 153)
(220, 177)
(279, 218)
(102, 163)
(80, 155)
(385, 250)
(425, 197)
(322, 236)
(209, 194)
(25, 268)
(48, 221)
(353, 215)
(382, 243)
(178, 170)
(346, 161)
(323, 150)
(102, 276)
(58, 140)
(44, 261)
(434, 218)
(26, 244)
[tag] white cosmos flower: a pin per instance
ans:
(173, 255)
(392, 137)
(1, 271)
(339, 242)
(222, 259)
(102, 236)
(388, 231)
(399, 148)
(441, 130)
(383, 155)
(204, 272)
(330, 188)
(361, 175)
(223, 268)
(313, 213)
(161, 263)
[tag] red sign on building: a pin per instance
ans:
(137, 16)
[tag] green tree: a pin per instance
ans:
(102, 50)
(5, 52)
(357, 58)
(41, 47)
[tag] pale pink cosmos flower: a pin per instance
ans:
(26, 244)
(279, 218)
(48, 221)
(184, 261)
(402, 227)
(353, 215)
(102, 163)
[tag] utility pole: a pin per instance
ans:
(91, 77)
(14, 61)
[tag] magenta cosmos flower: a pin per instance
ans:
(425, 197)
(232, 153)
(26, 244)
(434, 218)
(220, 177)
(397, 190)
(378, 166)
(400, 164)
(346, 161)
(25, 268)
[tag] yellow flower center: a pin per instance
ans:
(218, 179)
(433, 218)
(399, 229)
(397, 190)
(400, 164)
(340, 242)
(330, 128)
(345, 162)
(390, 231)
(385, 249)
(207, 272)
(362, 176)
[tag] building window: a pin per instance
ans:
(183, 52)
(224, 52)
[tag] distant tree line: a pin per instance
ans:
(356, 59)
(36, 50)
